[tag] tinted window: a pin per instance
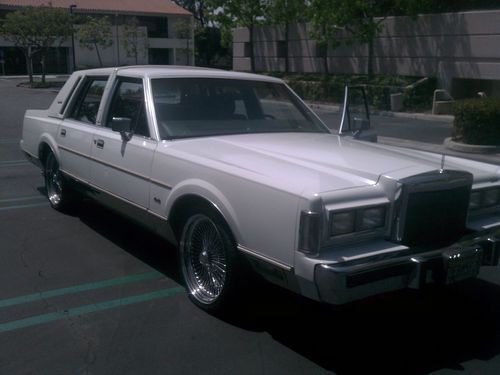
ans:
(194, 107)
(87, 103)
(128, 102)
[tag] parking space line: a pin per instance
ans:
(13, 163)
(46, 318)
(18, 206)
(80, 288)
(8, 140)
(20, 199)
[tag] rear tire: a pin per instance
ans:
(60, 195)
(208, 260)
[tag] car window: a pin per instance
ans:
(196, 107)
(128, 102)
(88, 100)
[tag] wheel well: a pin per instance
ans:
(43, 152)
(185, 205)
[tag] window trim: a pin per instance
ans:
(107, 108)
(78, 91)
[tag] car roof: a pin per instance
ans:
(173, 71)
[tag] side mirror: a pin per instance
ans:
(122, 125)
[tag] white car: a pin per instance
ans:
(235, 169)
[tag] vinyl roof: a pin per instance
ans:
(106, 6)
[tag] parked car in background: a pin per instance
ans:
(235, 169)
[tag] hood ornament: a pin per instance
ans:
(443, 156)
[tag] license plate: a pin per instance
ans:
(461, 264)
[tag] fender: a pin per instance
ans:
(48, 139)
(209, 192)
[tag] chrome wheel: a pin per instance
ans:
(53, 181)
(204, 259)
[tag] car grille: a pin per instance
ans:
(433, 208)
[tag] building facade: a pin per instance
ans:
(159, 38)
(460, 49)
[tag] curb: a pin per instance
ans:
(473, 149)
(336, 108)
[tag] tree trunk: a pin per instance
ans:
(325, 54)
(369, 68)
(42, 60)
(287, 67)
(29, 70)
(252, 61)
(98, 54)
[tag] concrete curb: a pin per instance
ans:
(473, 149)
(336, 108)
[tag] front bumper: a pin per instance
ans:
(344, 282)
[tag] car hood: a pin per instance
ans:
(312, 162)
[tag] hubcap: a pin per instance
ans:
(204, 262)
(53, 181)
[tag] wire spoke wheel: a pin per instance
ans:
(204, 259)
(53, 180)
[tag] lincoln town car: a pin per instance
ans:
(237, 172)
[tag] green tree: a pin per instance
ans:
(133, 35)
(228, 14)
(286, 12)
(339, 22)
(34, 30)
(95, 33)
(209, 50)
(198, 9)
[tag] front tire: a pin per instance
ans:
(60, 196)
(209, 261)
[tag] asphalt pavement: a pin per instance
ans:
(90, 293)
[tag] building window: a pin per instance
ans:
(157, 26)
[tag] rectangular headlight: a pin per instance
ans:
(372, 218)
(475, 200)
(342, 222)
(490, 197)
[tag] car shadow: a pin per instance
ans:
(411, 332)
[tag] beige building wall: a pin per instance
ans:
(448, 46)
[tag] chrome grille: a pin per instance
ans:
(432, 209)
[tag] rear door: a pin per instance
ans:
(121, 166)
(76, 131)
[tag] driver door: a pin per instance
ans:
(121, 163)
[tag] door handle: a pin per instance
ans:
(63, 133)
(99, 143)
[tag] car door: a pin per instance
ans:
(76, 131)
(121, 163)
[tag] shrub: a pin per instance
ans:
(477, 121)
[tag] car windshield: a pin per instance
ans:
(197, 107)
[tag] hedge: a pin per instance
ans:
(477, 121)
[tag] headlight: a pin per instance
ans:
(372, 218)
(357, 220)
(342, 222)
(475, 200)
(490, 197)
(484, 198)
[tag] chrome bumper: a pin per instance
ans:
(340, 283)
